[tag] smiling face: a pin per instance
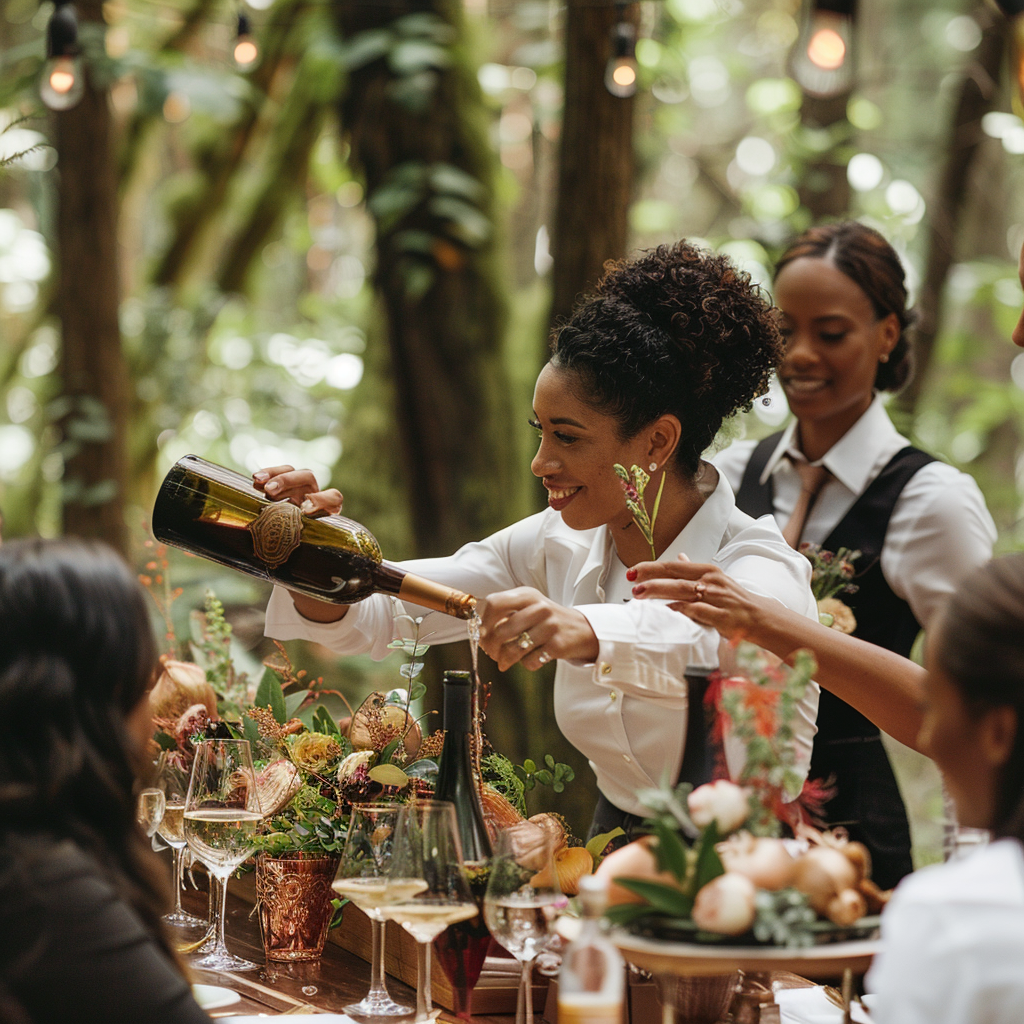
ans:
(578, 448)
(833, 346)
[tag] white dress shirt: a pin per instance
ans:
(940, 527)
(953, 943)
(627, 710)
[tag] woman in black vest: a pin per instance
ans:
(841, 476)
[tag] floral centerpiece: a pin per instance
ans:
(714, 868)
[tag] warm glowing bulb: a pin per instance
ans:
(624, 76)
(246, 52)
(62, 81)
(826, 49)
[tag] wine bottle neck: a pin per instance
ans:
(428, 594)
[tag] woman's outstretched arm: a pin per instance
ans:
(881, 685)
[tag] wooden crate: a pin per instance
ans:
(495, 992)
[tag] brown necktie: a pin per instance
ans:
(812, 479)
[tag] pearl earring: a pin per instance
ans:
(653, 466)
(884, 357)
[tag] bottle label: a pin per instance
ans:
(276, 533)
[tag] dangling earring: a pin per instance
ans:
(653, 466)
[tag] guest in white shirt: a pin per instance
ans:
(641, 375)
(953, 935)
(840, 475)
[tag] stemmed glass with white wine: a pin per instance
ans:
(222, 813)
(172, 780)
(427, 879)
(362, 878)
(522, 902)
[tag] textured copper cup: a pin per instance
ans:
(293, 897)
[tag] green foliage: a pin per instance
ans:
(309, 823)
(269, 694)
(553, 774)
(784, 918)
(500, 772)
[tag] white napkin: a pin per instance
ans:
(812, 1006)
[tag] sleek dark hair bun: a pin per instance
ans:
(677, 330)
(868, 260)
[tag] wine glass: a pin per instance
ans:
(362, 878)
(427, 882)
(522, 902)
(172, 780)
(149, 810)
(222, 813)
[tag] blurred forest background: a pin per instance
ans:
(346, 255)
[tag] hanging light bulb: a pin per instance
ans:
(620, 75)
(246, 51)
(822, 60)
(63, 80)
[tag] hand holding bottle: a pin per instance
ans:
(523, 625)
(300, 487)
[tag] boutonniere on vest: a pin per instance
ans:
(830, 576)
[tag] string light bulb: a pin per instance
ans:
(62, 84)
(620, 76)
(246, 52)
(823, 56)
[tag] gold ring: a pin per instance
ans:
(543, 657)
(524, 641)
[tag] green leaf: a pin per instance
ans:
(665, 898)
(544, 777)
(365, 47)
(385, 755)
(323, 722)
(250, 731)
(596, 846)
(529, 766)
(451, 180)
(293, 702)
(389, 775)
(709, 864)
(469, 225)
(425, 23)
(670, 851)
(627, 913)
(549, 760)
(416, 691)
(165, 741)
(412, 56)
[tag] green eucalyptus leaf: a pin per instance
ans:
(417, 691)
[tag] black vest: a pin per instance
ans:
(882, 617)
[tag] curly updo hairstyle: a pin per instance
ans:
(677, 330)
(980, 648)
(868, 260)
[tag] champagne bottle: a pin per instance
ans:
(456, 780)
(592, 978)
(462, 948)
(217, 513)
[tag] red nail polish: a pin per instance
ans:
(631, 575)
(639, 590)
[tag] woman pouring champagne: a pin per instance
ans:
(641, 377)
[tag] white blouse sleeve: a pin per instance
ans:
(940, 530)
(513, 557)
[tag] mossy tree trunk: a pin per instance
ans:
(93, 420)
(596, 162)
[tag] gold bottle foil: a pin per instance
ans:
(293, 897)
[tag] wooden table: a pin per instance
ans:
(338, 979)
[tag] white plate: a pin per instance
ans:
(213, 997)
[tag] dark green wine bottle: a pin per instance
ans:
(456, 779)
(217, 513)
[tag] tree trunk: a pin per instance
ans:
(978, 91)
(824, 188)
(595, 175)
(419, 136)
(93, 371)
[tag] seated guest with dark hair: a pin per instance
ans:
(80, 894)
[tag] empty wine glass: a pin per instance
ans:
(362, 878)
(172, 780)
(222, 813)
(427, 879)
(522, 902)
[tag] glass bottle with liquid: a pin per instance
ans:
(216, 513)
(592, 979)
(462, 949)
